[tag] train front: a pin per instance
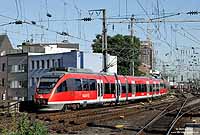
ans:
(45, 89)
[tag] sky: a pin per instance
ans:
(170, 39)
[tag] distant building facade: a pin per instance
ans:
(146, 56)
(17, 76)
(20, 70)
(3, 76)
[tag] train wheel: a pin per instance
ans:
(78, 106)
(64, 108)
(74, 107)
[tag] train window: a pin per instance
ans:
(157, 87)
(161, 85)
(112, 88)
(164, 85)
(129, 88)
(78, 84)
(85, 84)
(107, 88)
(123, 88)
(154, 87)
(143, 88)
(151, 87)
(62, 87)
(138, 88)
(92, 84)
(73, 84)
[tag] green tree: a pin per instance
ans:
(125, 48)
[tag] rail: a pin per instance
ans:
(176, 112)
(169, 109)
(175, 121)
(154, 119)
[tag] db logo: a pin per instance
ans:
(40, 96)
(85, 95)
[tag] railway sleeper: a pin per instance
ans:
(75, 128)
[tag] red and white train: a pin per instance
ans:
(59, 90)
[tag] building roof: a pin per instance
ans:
(60, 45)
(2, 37)
(5, 44)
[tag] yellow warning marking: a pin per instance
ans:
(119, 126)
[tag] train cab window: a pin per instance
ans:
(112, 88)
(123, 88)
(73, 84)
(62, 87)
(85, 84)
(107, 88)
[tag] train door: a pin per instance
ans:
(117, 90)
(133, 88)
(99, 90)
(154, 89)
(147, 85)
(159, 88)
(127, 89)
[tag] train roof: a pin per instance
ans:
(58, 72)
(54, 74)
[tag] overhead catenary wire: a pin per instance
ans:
(33, 23)
(146, 13)
(188, 37)
(17, 8)
(190, 34)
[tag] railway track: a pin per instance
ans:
(165, 121)
(64, 122)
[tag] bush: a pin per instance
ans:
(26, 127)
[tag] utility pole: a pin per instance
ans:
(104, 36)
(104, 42)
(132, 41)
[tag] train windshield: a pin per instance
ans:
(46, 85)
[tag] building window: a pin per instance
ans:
(42, 64)
(32, 81)
(18, 84)
(3, 82)
(53, 63)
(37, 80)
(47, 63)
(38, 64)
(3, 67)
(19, 68)
(59, 63)
(33, 64)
